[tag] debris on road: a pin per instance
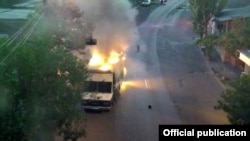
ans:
(149, 106)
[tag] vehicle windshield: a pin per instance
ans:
(101, 87)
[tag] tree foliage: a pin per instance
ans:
(43, 86)
(236, 101)
(66, 22)
(209, 41)
(202, 11)
(41, 83)
(237, 37)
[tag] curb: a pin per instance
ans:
(212, 72)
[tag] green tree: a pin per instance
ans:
(209, 41)
(202, 11)
(236, 101)
(66, 22)
(237, 37)
(42, 88)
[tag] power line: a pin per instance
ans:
(13, 37)
(32, 29)
(22, 42)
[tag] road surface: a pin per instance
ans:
(168, 73)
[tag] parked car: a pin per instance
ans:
(145, 2)
(163, 1)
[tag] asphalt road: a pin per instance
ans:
(189, 81)
(168, 73)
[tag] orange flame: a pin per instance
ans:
(113, 60)
(114, 57)
(123, 58)
(101, 63)
(105, 67)
(96, 59)
(125, 71)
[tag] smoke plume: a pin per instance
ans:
(112, 21)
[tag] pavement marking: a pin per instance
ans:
(146, 83)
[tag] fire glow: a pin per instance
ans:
(105, 63)
(125, 71)
(96, 59)
(105, 67)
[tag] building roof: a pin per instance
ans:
(245, 56)
(28, 4)
(15, 14)
(2, 35)
(229, 14)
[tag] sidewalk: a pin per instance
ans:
(223, 72)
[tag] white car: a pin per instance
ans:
(145, 2)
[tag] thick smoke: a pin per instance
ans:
(113, 21)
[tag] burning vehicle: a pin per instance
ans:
(106, 74)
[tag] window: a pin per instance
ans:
(92, 86)
(102, 87)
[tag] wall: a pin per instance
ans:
(231, 59)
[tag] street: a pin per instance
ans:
(169, 74)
